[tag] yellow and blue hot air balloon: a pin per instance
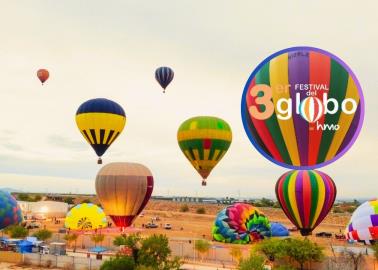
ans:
(100, 121)
(85, 216)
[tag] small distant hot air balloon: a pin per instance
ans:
(100, 121)
(164, 76)
(204, 140)
(124, 190)
(43, 75)
(363, 225)
(306, 197)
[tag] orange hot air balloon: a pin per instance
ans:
(43, 75)
(123, 190)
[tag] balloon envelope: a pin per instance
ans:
(306, 197)
(43, 75)
(164, 76)
(124, 190)
(302, 108)
(85, 216)
(10, 211)
(240, 223)
(363, 225)
(204, 140)
(278, 230)
(100, 121)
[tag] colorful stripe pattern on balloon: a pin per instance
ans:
(164, 76)
(10, 211)
(311, 113)
(204, 140)
(240, 223)
(306, 197)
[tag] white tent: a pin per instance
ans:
(44, 209)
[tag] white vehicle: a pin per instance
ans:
(167, 226)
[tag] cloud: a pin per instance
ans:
(67, 143)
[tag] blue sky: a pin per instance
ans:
(98, 49)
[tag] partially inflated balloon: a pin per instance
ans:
(10, 211)
(43, 75)
(204, 140)
(100, 121)
(363, 225)
(85, 216)
(240, 223)
(124, 190)
(164, 76)
(306, 197)
(302, 108)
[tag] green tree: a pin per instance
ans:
(266, 202)
(71, 238)
(43, 234)
(86, 201)
(132, 241)
(69, 200)
(184, 208)
(16, 231)
(253, 262)
(37, 198)
(119, 263)
(202, 247)
(302, 251)
(155, 252)
(97, 238)
(201, 210)
(375, 248)
(23, 197)
(271, 248)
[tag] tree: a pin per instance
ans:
(375, 248)
(97, 238)
(16, 231)
(37, 198)
(184, 208)
(201, 210)
(86, 201)
(23, 197)
(43, 234)
(71, 238)
(119, 263)
(355, 258)
(155, 252)
(302, 251)
(236, 253)
(253, 262)
(68, 200)
(271, 248)
(132, 241)
(202, 247)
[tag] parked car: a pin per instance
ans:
(33, 225)
(324, 234)
(167, 226)
(62, 230)
(293, 229)
(340, 236)
(151, 225)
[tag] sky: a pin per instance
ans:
(97, 49)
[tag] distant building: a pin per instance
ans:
(44, 209)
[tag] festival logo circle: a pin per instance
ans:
(302, 108)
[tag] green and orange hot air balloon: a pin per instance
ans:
(204, 140)
(306, 197)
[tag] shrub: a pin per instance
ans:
(119, 263)
(184, 208)
(43, 234)
(201, 210)
(253, 262)
(16, 231)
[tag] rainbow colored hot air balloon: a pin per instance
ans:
(240, 223)
(124, 189)
(204, 140)
(363, 225)
(306, 197)
(10, 211)
(100, 121)
(85, 216)
(302, 108)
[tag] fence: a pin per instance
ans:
(68, 262)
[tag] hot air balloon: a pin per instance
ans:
(363, 225)
(10, 211)
(124, 190)
(306, 197)
(278, 230)
(100, 121)
(204, 140)
(164, 76)
(43, 75)
(85, 216)
(240, 223)
(302, 108)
